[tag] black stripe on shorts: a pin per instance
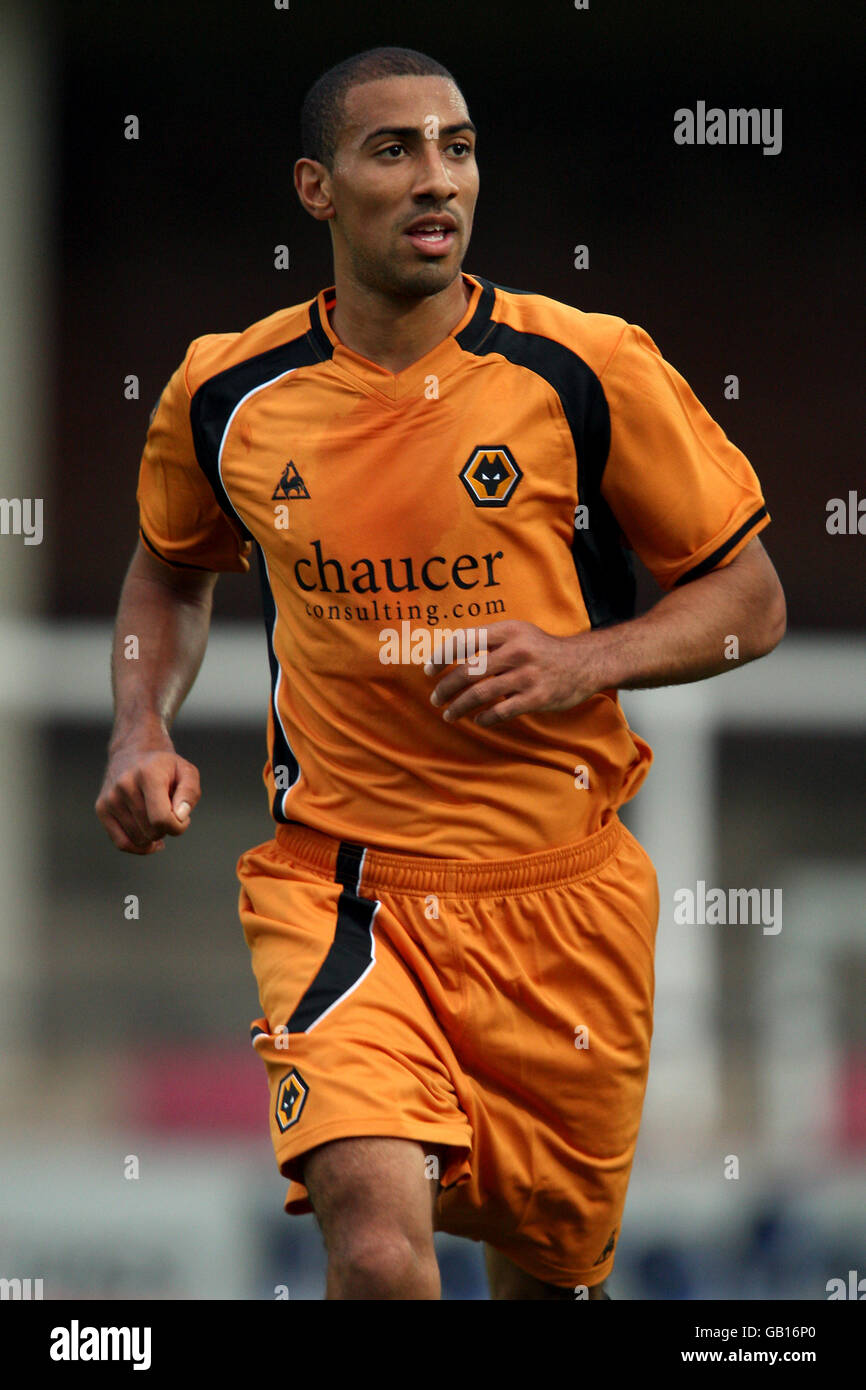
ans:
(351, 953)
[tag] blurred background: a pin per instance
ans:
(135, 1160)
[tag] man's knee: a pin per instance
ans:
(374, 1205)
(369, 1261)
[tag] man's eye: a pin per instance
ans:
(462, 145)
(388, 148)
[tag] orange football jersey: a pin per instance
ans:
(507, 474)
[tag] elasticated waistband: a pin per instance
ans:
(367, 871)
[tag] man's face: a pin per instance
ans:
(405, 162)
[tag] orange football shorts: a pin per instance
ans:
(501, 1010)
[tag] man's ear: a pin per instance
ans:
(313, 187)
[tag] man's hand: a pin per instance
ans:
(527, 670)
(687, 636)
(148, 792)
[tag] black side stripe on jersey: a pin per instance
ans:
(718, 555)
(351, 956)
(604, 565)
(217, 399)
(282, 755)
(211, 411)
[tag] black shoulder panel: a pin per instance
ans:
(604, 565)
(211, 410)
(216, 399)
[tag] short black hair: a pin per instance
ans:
(322, 112)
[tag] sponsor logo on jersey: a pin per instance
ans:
(325, 574)
(291, 1097)
(490, 475)
(291, 485)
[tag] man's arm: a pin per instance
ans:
(682, 638)
(148, 791)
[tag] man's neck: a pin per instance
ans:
(393, 333)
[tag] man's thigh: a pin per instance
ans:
(558, 987)
(348, 1036)
(375, 1184)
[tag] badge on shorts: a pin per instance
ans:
(291, 1098)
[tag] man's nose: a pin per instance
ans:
(434, 177)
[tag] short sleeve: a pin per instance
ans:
(180, 520)
(685, 497)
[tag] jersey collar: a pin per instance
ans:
(440, 360)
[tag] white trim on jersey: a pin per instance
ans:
(261, 387)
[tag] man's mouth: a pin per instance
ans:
(431, 234)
